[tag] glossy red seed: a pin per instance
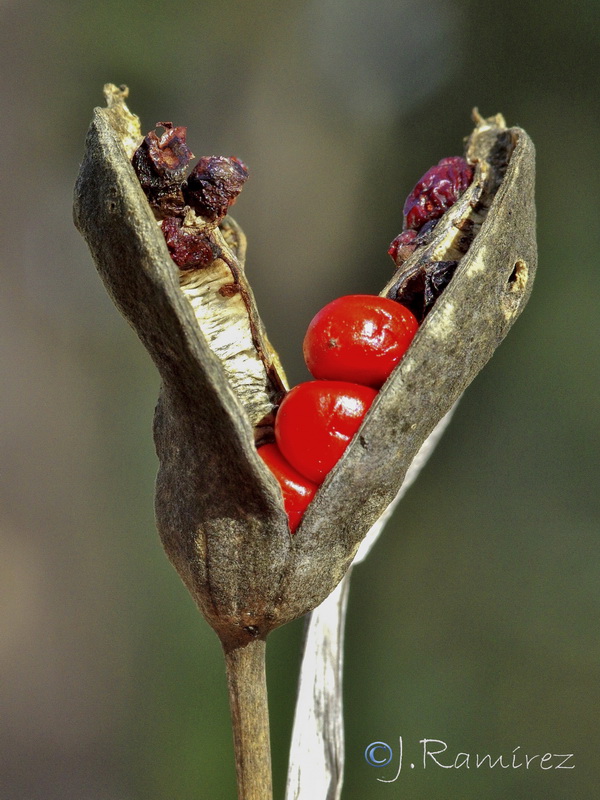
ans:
(297, 490)
(317, 420)
(358, 338)
(438, 189)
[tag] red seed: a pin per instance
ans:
(297, 490)
(403, 246)
(316, 422)
(358, 338)
(160, 164)
(438, 189)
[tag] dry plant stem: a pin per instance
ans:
(247, 684)
(316, 768)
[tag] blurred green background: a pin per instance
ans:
(474, 620)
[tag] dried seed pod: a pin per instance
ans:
(219, 511)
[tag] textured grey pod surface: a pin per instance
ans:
(219, 510)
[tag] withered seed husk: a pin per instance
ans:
(160, 164)
(218, 509)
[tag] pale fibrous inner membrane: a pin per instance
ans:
(236, 336)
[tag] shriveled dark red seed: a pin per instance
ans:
(160, 164)
(188, 249)
(438, 189)
(402, 246)
(213, 186)
(168, 155)
(405, 244)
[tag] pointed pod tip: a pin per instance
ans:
(115, 95)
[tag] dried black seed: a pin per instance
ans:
(160, 164)
(214, 185)
(436, 280)
(420, 287)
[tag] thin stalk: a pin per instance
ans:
(246, 679)
(316, 767)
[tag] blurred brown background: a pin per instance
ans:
(474, 620)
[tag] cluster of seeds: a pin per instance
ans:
(212, 186)
(438, 190)
(351, 346)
